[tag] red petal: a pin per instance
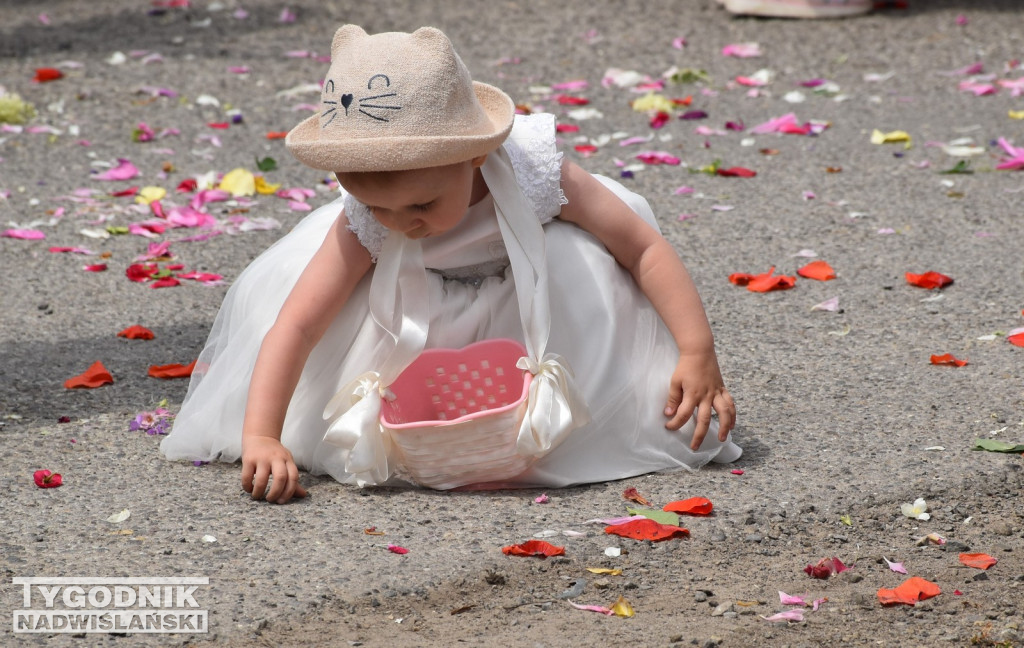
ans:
(47, 74)
(533, 548)
(977, 560)
(567, 100)
(273, 135)
(741, 278)
(172, 370)
(130, 191)
(660, 119)
(819, 270)
(634, 495)
(166, 282)
(646, 529)
(947, 359)
(95, 376)
(140, 272)
(692, 506)
(1017, 340)
(929, 280)
(136, 332)
(766, 282)
(910, 592)
(738, 172)
(47, 479)
(566, 128)
(188, 185)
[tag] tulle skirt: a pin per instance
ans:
(620, 350)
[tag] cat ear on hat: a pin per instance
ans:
(345, 35)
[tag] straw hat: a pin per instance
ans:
(396, 101)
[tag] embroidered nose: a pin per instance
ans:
(346, 100)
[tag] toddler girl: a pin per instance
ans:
(433, 166)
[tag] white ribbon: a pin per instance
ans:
(357, 429)
(556, 406)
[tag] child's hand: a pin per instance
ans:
(697, 385)
(263, 458)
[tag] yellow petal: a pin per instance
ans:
(1016, 114)
(622, 608)
(238, 182)
(147, 195)
(604, 570)
(878, 137)
(652, 102)
(264, 187)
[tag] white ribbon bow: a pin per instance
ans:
(357, 429)
(556, 406)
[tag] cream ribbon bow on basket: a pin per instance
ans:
(399, 304)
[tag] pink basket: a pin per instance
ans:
(456, 414)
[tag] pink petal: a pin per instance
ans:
(742, 50)
(396, 549)
(788, 615)
(895, 566)
(614, 521)
(679, 42)
(592, 608)
(570, 85)
(786, 599)
(25, 234)
(125, 170)
(818, 603)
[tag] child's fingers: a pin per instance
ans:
(248, 470)
(259, 481)
(280, 482)
(681, 414)
(702, 423)
(726, 409)
(675, 396)
(292, 486)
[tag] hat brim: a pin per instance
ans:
(403, 153)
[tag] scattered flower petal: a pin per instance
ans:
(533, 548)
(692, 506)
(819, 270)
(118, 518)
(918, 510)
(47, 479)
(95, 376)
(647, 529)
(929, 280)
(895, 566)
(909, 592)
(172, 370)
(947, 359)
(977, 560)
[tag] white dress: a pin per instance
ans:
(621, 352)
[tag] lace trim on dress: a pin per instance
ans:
(536, 162)
(367, 229)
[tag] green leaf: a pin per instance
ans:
(992, 445)
(117, 230)
(963, 166)
(661, 517)
(690, 75)
(266, 164)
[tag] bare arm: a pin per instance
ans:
(697, 381)
(320, 293)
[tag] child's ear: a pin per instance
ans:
(346, 34)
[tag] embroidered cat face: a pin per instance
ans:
(378, 102)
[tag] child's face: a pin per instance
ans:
(419, 202)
